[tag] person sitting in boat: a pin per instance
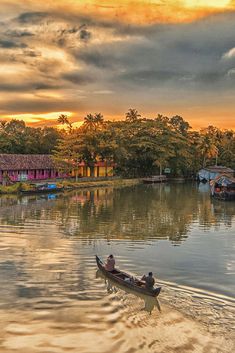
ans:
(149, 280)
(110, 263)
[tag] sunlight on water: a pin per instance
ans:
(53, 299)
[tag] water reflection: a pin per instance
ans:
(142, 212)
(50, 298)
(112, 287)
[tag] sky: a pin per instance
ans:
(174, 57)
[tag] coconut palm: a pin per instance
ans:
(93, 122)
(89, 122)
(207, 148)
(63, 119)
(132, 115)
(99, 120)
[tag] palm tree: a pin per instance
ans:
(3, 125)
(93, 122)
(207, 149)
(99, 120)
(132, 115)
(63, 119)
(89, 122)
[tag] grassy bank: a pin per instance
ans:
(99, 183)
(11, 189)
(71, 185)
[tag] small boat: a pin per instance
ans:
(155, 179)
(112, 286)
(42, 188)
(127, 280)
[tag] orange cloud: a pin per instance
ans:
(129, 11)
(48, 67)
(148, 11)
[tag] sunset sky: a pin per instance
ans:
(77, 57)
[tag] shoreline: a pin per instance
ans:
(15, 189)
(68, 185)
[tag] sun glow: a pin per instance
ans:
(207, 3)
(37, 118)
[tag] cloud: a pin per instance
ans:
(229, 54)
(231, 73)
(148, 77)
(85, 34)
(31, 17)
(152, 64)
(18, 33)
(78, 78)
(8, 44)
(26, 86)
(38, 105)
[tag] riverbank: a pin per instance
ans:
(72, 185)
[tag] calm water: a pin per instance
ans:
(53, 300)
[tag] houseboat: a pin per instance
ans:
(223, 188)
(210, 173)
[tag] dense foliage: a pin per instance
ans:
(16, 137)
(138, 146)
(142, 146)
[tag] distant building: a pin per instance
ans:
(212, 172)
(101, 169)
(33, 167)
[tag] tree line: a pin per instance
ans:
(141, 146)
(137, 145)
(16, 137)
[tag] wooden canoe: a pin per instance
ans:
(127, 280)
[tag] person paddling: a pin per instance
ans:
(110, 263)
(149, 280)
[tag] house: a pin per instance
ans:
(23, 167)
(101, 169)
(212, 172)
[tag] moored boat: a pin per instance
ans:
(223, 188)
(127, 280)
(155, 179)
(42, 188)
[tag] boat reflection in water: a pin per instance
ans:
(112, 287)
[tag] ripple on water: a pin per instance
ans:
(51, 300)
(210, 309)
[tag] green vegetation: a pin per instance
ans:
(16, 137)
(141, 146)
(71, 185)
(138, 146)
(11, 189)
(99, 183)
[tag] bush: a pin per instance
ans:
(10, 189)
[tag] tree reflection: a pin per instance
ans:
(141, 212)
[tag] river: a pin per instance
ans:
(52, 299)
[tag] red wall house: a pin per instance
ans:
(35, 167)
(22, 167)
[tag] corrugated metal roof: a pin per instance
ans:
(218, 169)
